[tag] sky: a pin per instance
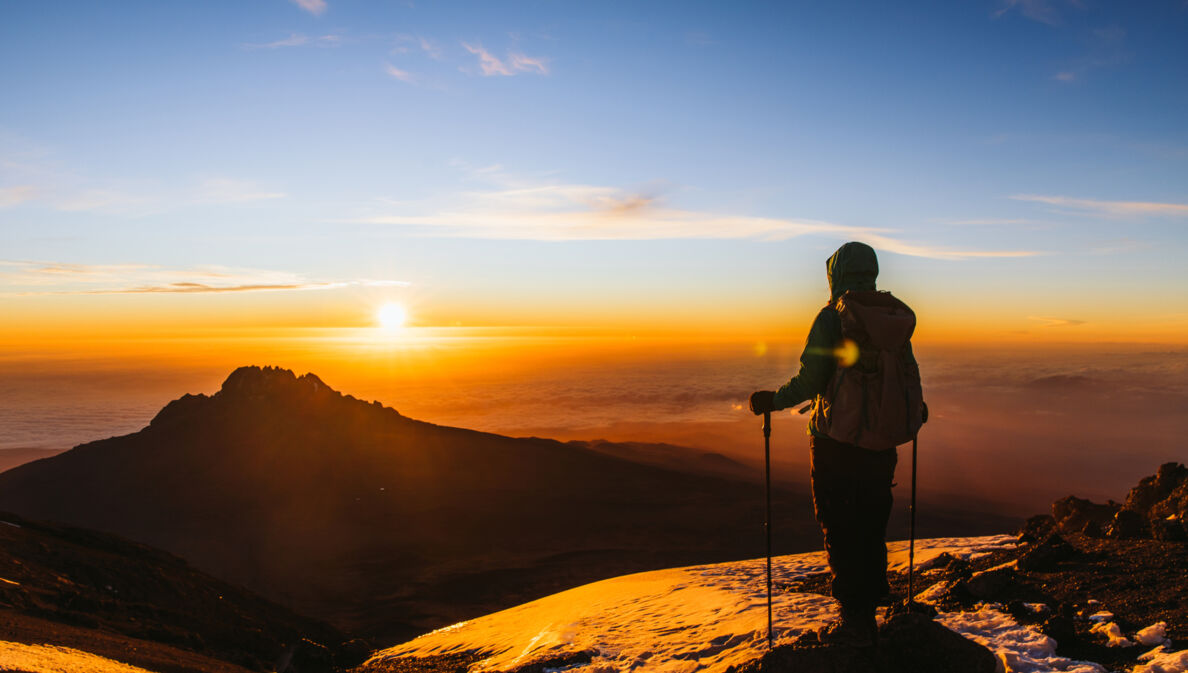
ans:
(628, 168)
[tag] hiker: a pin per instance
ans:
(852, 439)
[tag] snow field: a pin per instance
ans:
(682, 620)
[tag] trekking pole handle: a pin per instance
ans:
(767, 424)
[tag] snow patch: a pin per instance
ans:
(934, 593)
(1020, 648)
(1155, 634)
(54, 659)
(1174, 662)
(1148, 656)
(701, 619)
(1112, 632)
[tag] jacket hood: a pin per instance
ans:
(853, 267)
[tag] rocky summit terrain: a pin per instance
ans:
(1064, 596)
(1108, 582)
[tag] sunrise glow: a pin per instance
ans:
(391, 316)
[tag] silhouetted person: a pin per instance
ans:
(858, 368)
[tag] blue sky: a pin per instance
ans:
(565, 158)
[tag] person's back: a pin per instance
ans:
(852, 479)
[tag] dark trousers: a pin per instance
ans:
(852, 500)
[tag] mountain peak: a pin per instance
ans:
(255, 380)
(252, 385)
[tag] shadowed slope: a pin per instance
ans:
(86, 590)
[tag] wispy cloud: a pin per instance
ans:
(1109, 208)
(492, 65)
(47, 278)
(1065, 76)
(405, 43)
(489, 63)
(528, 64)
(298, 40)
(1043, 11)
(574, 212)
(1056, 322)
(11, 196)
(402, 75)
(315, 7)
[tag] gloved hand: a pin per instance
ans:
(924, 412)
(762, 401)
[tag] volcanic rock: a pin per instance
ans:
(990, 583)
(1157, 488)
(1045, 555)
(1072, 513)
(1037, 528)
(908, 643)
(1128, 525)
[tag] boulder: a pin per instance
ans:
(991, 584)
(1128, 525)
(1044, 556)
(1155, 489)
(1169, 530)
(1060, 627)
(908, 643)
(1072, 514)
(913, 642)
(1174, 511)
(1037, 528)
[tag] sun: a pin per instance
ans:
(391, 316)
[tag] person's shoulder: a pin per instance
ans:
(828, 311)
(828, 318)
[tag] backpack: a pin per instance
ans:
(874, 399)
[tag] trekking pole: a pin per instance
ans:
(767, 521)
(912, 528)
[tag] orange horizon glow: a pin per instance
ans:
(31, 328)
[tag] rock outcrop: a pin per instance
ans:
(1156, 508)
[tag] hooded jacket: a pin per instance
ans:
(853, 267)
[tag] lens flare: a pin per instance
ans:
(847, 353)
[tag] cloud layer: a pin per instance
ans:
(1109, 208)
(45, 278)
(572, 212)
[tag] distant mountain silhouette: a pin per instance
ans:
(386, 526)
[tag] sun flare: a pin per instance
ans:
(391, 316)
